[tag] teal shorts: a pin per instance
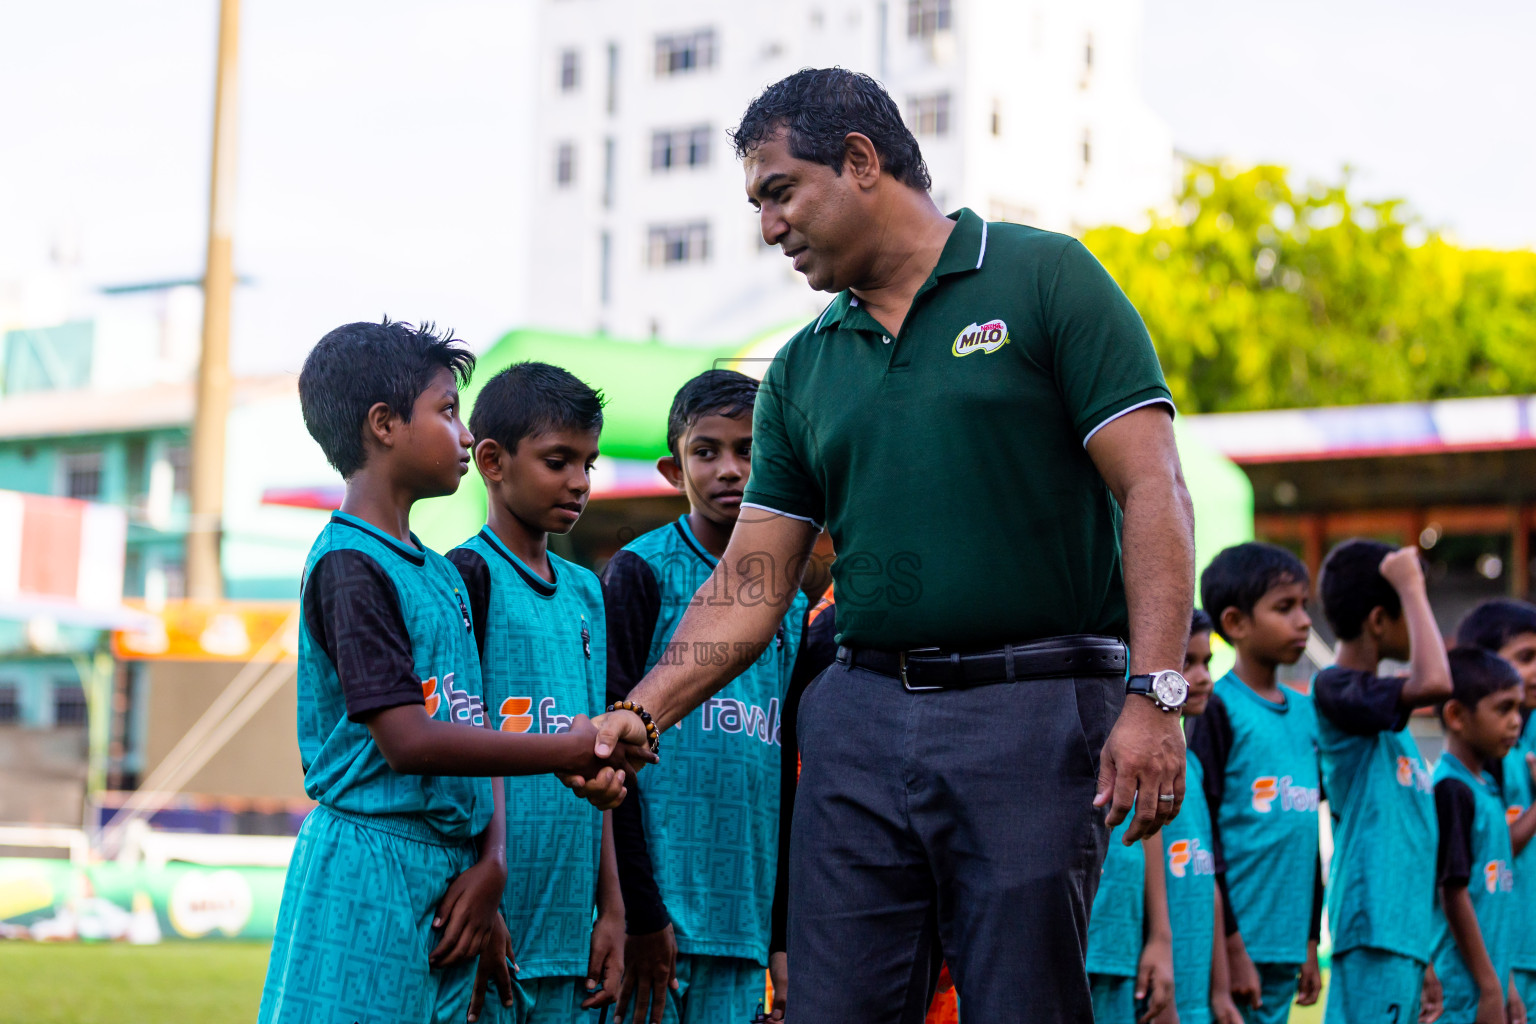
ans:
(1277, 988)
(1373, 986)
(715, 990)
(355, 926)
(1114, 999)
(541, 1001)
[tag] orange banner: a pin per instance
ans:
(224, 631)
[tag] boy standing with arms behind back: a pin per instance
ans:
(1477, 917)
(698, 849)
(1381, 883)
(539, 622)
(1508, 628)
(1257, 744)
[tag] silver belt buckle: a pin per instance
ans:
(905, 685)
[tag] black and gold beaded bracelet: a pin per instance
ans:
(652, 734)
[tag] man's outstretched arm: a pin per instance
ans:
(1144, 756)
(732, 618)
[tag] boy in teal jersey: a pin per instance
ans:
(539, 622)
(1130, 948)
(1201, 987)
(1508, 629)
(1257, 744)
(1477, 917)
(1381, 882)
(699, 848)
(389, 692)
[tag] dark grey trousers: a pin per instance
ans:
(955, 825)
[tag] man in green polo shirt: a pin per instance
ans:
(979, 419)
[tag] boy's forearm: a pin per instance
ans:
(610, 902)
(1468, 935)
(414, 744)
(1221, 975)
(493, 841)
(1156, 895)
(1429, 672)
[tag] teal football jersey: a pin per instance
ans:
(343, 767)
(1381, 882)
(1189, 865)
(1114, 921)
(1268, 819)
(711, 807)
(1517, 797)
(1491, 887)
(544, 662)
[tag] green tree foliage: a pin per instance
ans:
(1260, 295)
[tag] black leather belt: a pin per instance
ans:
(934, 668)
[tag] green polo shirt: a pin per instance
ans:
(949, 461)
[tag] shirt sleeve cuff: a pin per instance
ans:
(1130, 403)
(779, 507)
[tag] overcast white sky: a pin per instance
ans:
(381, 139)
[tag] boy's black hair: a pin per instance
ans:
(1495, 623)
(1351, 584)
(1242, 574)
(712, 393)
(358, 365)
(1200, 622)
(819, 107)
(532, 398)
(1476, 673)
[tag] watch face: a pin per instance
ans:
(1170, 688)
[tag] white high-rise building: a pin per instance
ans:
(1026, 110)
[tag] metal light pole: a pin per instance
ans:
(205, 581)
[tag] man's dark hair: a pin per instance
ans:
(1495, 623)
(533, 398)
(712, 393)
(358, 365)
(1476, 673)
(1351, 584)
(819, 107)
(1241, 575)
(1200, 622)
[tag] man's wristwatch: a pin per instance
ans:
(1167, 689)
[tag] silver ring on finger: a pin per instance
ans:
(1166, 798)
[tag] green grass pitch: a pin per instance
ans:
(72, 983)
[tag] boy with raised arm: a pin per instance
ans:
(1380, 885)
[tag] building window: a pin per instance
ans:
(180, 458)
(997, 117)
(930, 114)
(1087, 148)
(570, 70)
(687, 147)
(684, 52)
(68, 704)
(82, 475)
(927, 18)
(565, 164)
(608, 160)
(10, 704)
(605, 268)
(672, 244)
(613, 77)
(1088, 54)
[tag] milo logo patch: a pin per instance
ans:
(987, 337)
